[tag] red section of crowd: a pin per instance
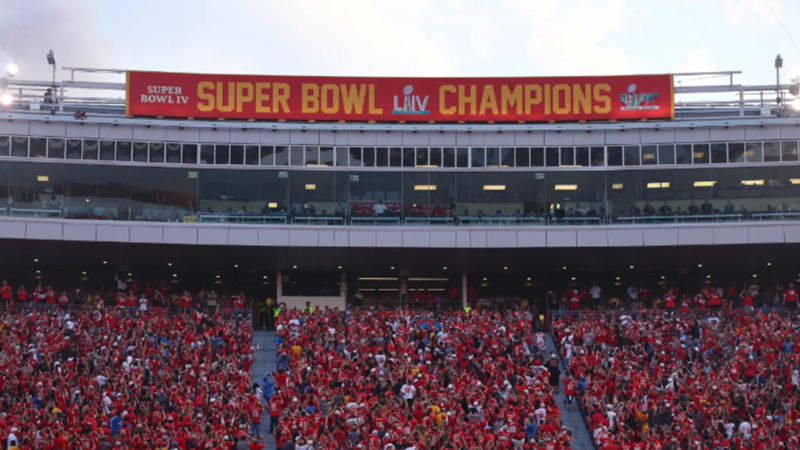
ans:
(101, 378)
(399, 379)
(704, 380)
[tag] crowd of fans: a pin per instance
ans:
(103, 377)
(672, 380)
(402, 379)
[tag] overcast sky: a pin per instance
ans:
(403, 37)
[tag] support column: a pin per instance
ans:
(464, 290)
(279, 288)
(403, 288)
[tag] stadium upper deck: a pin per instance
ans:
(597, 151)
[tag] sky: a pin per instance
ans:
(404, 37)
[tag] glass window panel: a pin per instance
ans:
(772, 151)
(507, 157)
(730, 189)
(573, 194)
(396, 157)
(366, 189)
(156, 152)
(222, 155)
(312, 155)
(493, 157)
(719, 153)
(695, 191)
(422, 157)
(206, 154)
(273, 190)
(632, 155)
(552, 158)
(649, 155)
(449, 159)
(435, 157)
(189, 154)
(754, 152)
(296, 156)
(19, 147)
(368, 156)
(382, 157)
(180, 193)
(174, 153)
(251, 155)
(614, 156)
(75, 147)
(281, 155)
(114, 193)
(666, 155)
(39, 147)
(736, 152)
(567, 156)
(139, 151)
(523, 157)
(537, 157)
(55, 148)
(683, 154)
(342, 155)
(311, 193)
(147, 193)
(598, 156)
(81, 199)
(478, 157)
(355, 156)
(123, 150)
(582, 156)
(5, 145)
(766, 188)
(237, 155)
(267, 155)
(215, 191)
(789, 150)
(326, 156)
(90, 150)
(700, 153)
(462, 157)
(37, 186)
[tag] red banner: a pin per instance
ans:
(546, 99)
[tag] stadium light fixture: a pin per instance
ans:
(564, 268)
(340, 267)
(265, 277)
(294, 267)
(235, 266)
(38, 271)
(631, 267)
(83, 273)
(36, 260)
(169, 264)
(6, 99)
(699, 265)
(573, 278)
(105, 262)
(51, 59)
(444, 268)
(769, 263)
(12, 69)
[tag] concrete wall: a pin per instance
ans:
(714, 233)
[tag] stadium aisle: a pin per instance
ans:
(266, 362)
(581, 438)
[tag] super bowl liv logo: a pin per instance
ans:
(412, 104)
(633, 101)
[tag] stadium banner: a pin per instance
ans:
(306, 98)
